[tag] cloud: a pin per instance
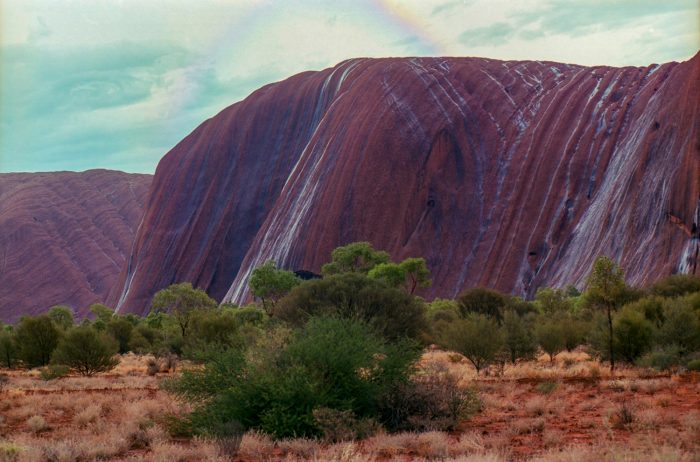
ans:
(448, 7)
(80, 108)
(580, 17)
(495, 34)
(91, 84)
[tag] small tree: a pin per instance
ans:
(86, 351)
(417, 273)
(391, 273)
(181, 300)
(484, 301)
(355, 257)
(8, 349)
(606, 288)
(681, 326)
(633, 334)
(550, 337)
(62, 316)
(122, 330)
(552, 301)
(410, 273)
(477, 337)
(36, 338)
(270, 283)
(518, 338)
(103, 314)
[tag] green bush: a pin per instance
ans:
(433, 400)
(8, 349)
(694, 365)
(547, 387)
(270, 283)
(62, 316)
(477, 337)
(122, 330)
(550, 336)
(681, 326)
(87, 351)
(36, 339)
(484, 301)
(391, 311)
(662, 358)
(53, 371)
(676, 285)
(519, 340)
(211, 331)
(333, 363)
(356, 257)
(632, 334)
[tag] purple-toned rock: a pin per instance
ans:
(64, 237)
(506, 174)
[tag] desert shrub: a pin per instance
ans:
(650, 307)
(146, 339)
(676, 285)
(8, 349)
(632, 335)
(342, 425)
(547, 387)
(661, 358)
(574, 330)
(122, 330)
(4, 380)
(433, 400)
(87, 351)
(249, 315)
(477, 337)
(9, 452)
(522, 307)
(152, 366)
(483, 301)
(624, 416)
(550, 336)
(227, 436)
(681, 326)
(36, 339)
(37, 424)
(519, 341)
(211, 330)
(334, 363)
(53, 371)
(391, 311)
(694, 365)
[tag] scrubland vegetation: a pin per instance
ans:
(354, 366)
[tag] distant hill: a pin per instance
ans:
(64, 237)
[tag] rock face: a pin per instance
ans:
(511, 175)
(64, 237)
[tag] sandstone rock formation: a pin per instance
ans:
(64, 237)
(511, 175)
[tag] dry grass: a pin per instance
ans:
(116, 416)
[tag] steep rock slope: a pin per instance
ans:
(64, 237)
(505, 174)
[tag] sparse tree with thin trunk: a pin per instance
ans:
(606, 288)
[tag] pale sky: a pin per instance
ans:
(117, 83)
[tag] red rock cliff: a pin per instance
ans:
(64, 237)
(509, 174)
